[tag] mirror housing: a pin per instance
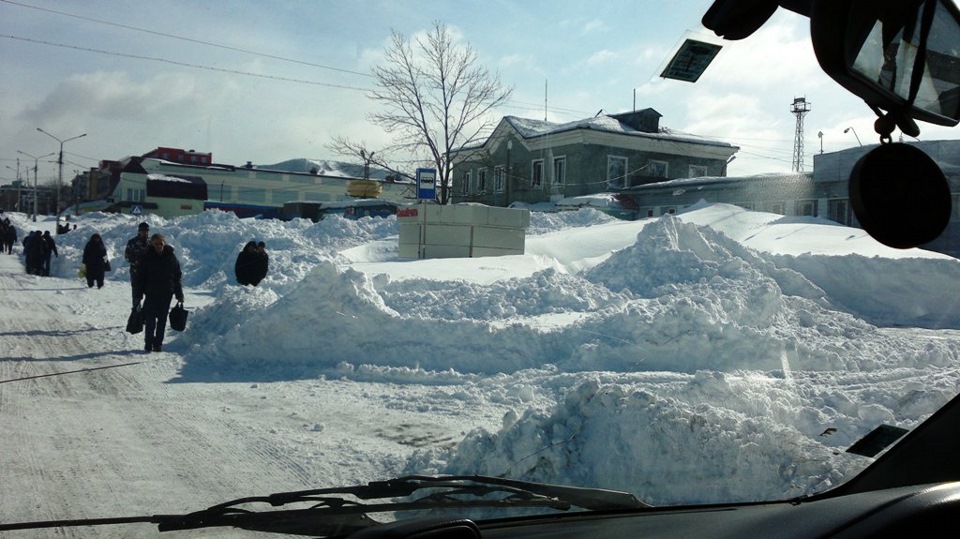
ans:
(897, 56)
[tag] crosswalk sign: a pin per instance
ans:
(136, 209)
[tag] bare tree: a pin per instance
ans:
(436, 100)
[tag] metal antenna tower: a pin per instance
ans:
(799, 108)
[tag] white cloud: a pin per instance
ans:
(595, 26)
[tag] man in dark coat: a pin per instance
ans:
(33, 252)
(136, 247)
(95, 260)
(158, 278)
(49, 250)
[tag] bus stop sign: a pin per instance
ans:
(426, 184)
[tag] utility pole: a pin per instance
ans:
(17, 170)
(35, 160)
(799, 108)
(60, 162)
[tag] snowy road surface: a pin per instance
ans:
(116, 435)
(708, 357)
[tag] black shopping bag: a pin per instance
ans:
(135, 321)
(178, 317)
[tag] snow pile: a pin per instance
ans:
(691, 358)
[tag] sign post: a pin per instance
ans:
(426, 184)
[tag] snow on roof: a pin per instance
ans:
(599, 200)
(165, 178)
(529, 128)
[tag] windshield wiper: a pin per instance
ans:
(449, 492)
(329, 513)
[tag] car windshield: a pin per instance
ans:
(582, 272)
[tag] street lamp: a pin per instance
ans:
(510, 147)
(17, 170)
(35, 160)
(366, 163)
(847, 130)
(60, 161)
(820, 136)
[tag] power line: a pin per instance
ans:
(188, 39)
(183, 64)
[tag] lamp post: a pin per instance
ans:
(60, 162)
(820, 136)
(17, 170)
(509, 147)
(35, 160)
(847, 130)
(366, 163)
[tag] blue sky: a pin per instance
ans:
(74, 67)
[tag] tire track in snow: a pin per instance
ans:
(112, 441)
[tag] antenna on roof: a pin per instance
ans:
(544, 99)
(599, 112)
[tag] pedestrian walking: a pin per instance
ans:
(49, 250)
(136, 247)
(8, 236)
(95, 259)
(33, 253)
(157, 281)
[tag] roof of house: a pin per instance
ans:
(528, 128)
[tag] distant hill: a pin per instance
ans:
(325, 167)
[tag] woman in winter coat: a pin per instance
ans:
(95, 259)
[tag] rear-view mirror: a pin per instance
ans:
(901, 57)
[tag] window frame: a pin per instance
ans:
(536, 174)
(499, 173)
(560, 173)
(692, 174)
(623, 176)
(655, 165)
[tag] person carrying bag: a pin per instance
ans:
(178, 317)
(135, 321)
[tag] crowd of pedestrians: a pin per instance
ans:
(155, 272)
(38, 251)
(8, 236)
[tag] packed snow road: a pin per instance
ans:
(93, 427)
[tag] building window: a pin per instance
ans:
(498, 176)
(616, 172)
(482, 181)
(697, 171)
(465, 186)
(807, 208)
(839, 211)
(136, 195)
(251, 195)
(657, 169)
(536, 177)
(560, 170)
